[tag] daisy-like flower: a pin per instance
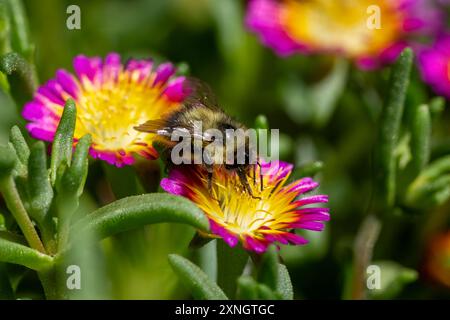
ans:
(437, 263)
(111, 99)
(345, 27)
(434, 64)
(271, 215)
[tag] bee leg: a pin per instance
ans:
(244, 181)
(210, 179)
(261, 181)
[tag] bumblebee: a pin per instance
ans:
(211, 131)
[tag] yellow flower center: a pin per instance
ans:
(108, 111)
(356, 27)
(241, 213)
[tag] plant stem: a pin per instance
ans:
(363, 249)
(230, 265)
(15, 205)
(65, 209)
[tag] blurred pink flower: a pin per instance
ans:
(434, 63)
(341, 27)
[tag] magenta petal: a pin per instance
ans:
(263, 17)
(276, 169)
(39, 133)
(311, 200)
(228, 237)
(276, 238)
(112, 67)
(177, 181)
(435, 65)
(142, 67)
(67, 82)
(88, 67)
(309, 225)
(176, 90)
(163, 73)
(127, 160)
(48, 91)
(303, 185)
(313, 210)
(321, 216)
(295, 238)
(172, 186)
(255, 245)
(36, 111)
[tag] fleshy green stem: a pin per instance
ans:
(15, 205)
(66, 206)
(230, 265)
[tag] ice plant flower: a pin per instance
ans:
(371, 33)
(437, 263)
(271, 215)
(111, 99)
(434, 63)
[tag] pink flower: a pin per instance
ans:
(111, 99)
(343, 27)
(270, 216)
(434, 65)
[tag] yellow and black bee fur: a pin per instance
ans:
(201, 107)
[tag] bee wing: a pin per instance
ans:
(158, 126)
(161, 128)
(200, 94)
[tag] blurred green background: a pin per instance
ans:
(326, 111)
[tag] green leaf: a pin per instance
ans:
(21, 75)
(432, 186)
(40, 191)
(7, 160)
(63, 141)
(13, 237)
(137, 211)
(19, 28)
(207, 259)
(195, 279)
(5, 29)
(420, 136)
(265, 293)
(247, 288)
(20, 145)
(390, 125)
(284, 284)
(74, 177)
(268, 268)
(12, 252)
